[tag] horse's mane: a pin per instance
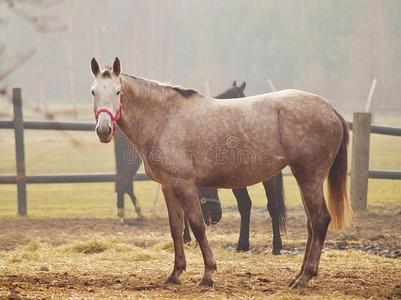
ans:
(162, 87)
(187, 93)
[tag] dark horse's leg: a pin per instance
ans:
(244, 207)
(187, 233)
(211, 209)
(120, 206)
(275, 205)
(136, 204)
(175, 215)
(186, 194)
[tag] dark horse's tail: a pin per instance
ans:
(281, 201)
(339, 208)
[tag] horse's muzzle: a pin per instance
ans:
(211, 212)
(105, 133)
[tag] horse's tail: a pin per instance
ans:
(281, 201)
(338, 204)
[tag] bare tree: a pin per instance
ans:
(34, 14)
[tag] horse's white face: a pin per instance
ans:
(106, 94)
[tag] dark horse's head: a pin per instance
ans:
(233, 92)
(210, 204)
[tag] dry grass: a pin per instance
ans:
(97, 258)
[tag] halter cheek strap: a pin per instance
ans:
(114, 118)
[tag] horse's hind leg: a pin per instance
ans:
(244, 204)
(175, 214)
(318, 221)
(186, 194)
(307, 249)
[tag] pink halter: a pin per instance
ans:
(114, 118)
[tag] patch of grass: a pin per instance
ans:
(111, 248)
(32, 246)
(164, 246)
(28, 252)
(22, 256)
(89, 247)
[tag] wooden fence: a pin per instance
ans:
(359, 170)
(21, 179)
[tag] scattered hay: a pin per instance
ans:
(21, 256)
(141, 255)
(96, 245)
(100, 262)
(32, 246)
(24, 253)
(395, 292)
(164, 246)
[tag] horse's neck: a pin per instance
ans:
(145, 113)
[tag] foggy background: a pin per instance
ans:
(330, 47)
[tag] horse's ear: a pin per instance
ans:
(242, 86)
(116, 66)
(95, 67)
(235, 83)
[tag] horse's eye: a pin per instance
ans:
(93, 93)
(118, 93)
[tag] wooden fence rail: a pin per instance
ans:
(51, 125)
(359, 170)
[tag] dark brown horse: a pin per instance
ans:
(211, 208)
(187, 140)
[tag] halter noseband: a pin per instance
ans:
(114, 118)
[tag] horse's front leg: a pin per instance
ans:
(273, 206)
(176, 219)
(186, 193)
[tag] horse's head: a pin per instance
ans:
(233, 92)
(106, 94)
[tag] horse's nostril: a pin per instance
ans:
(103, 132)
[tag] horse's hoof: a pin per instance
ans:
(242, 248)
(207, 282)
(302, 280)
(297, 284)
(291, 283)
(140, 217)
(172, 280)
(276, 251)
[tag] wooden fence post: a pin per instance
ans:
(19, 151)
(360, 160)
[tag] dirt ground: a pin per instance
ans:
(99, 258)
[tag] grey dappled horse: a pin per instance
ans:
(187, 140)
